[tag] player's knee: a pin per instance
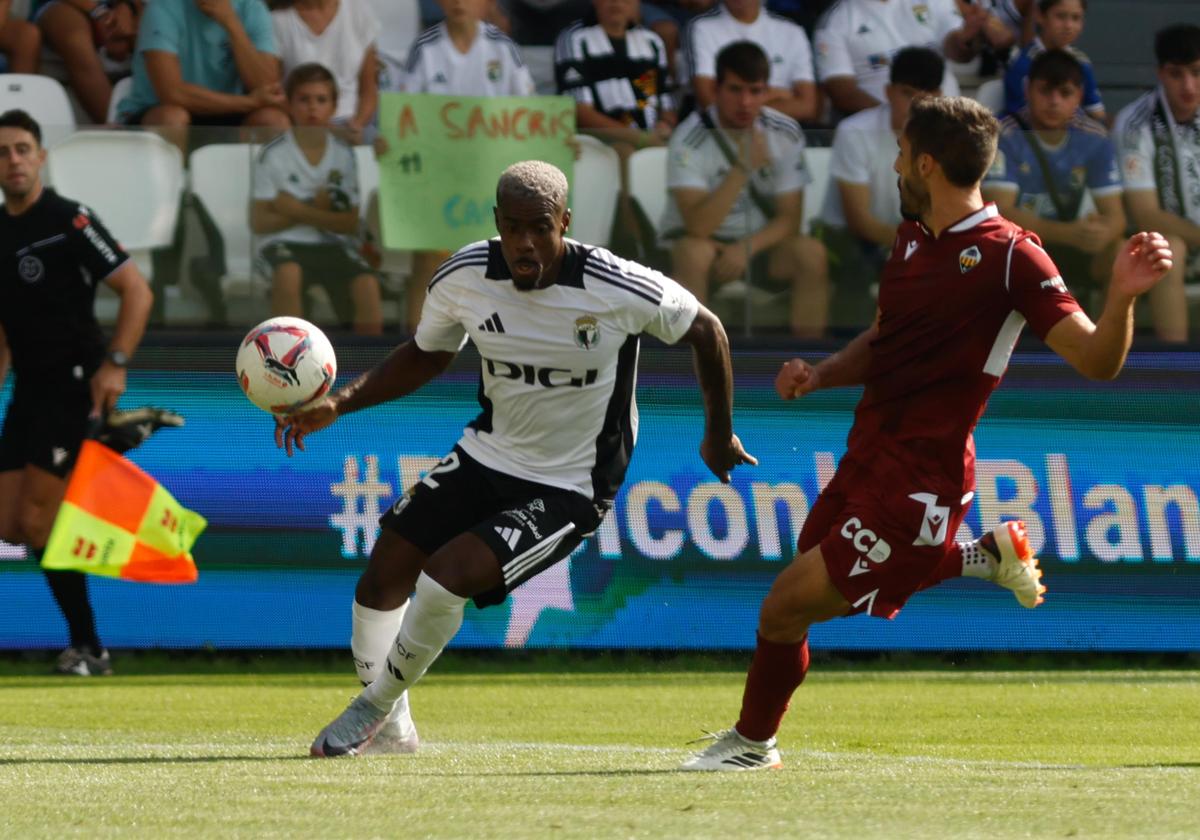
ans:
(780, 619)
(809, 256)
(33, 523)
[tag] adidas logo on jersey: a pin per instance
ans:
(439, 78)
(572, 76)
(510, 535)
(58, 455)
(492, 324)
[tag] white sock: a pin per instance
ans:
(371, 635)
(433, 617)
(977, 561)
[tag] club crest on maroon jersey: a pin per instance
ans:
(968, 258)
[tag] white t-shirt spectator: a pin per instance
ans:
(864, 150)
(340, 48)
(282, 167)
(783, 41)
(491, 67)
(695, 161)
(859, 38)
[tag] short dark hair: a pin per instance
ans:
(1178, 43)
(1046, 5)
(918, 67)
(745, 59)
(16, 118)
(304, 74)
(958, 133)
(1056, 68)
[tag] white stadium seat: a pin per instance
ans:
(221, 179)
(991, 95)
(43, 98)
(597, 183)
(648, 183)
(814, 194)
(133, 180)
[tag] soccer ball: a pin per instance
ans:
(285, 364)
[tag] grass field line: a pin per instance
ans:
(231, 750)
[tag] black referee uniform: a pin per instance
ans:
(55, 254)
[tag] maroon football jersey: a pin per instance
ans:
(950, 310)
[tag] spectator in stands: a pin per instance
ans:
(737, 174)
(306, 208)
(857, 39)
(205, 62)
(1159, 140)
(463, 56)
(862, 206)
(791, 89)
(1051, 158)
(95, 41)
(20, 41)
(1060, 23)
(339, 35)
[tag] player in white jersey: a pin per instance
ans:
(792, 81)
(856, 40)
(557, 325)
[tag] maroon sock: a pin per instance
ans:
(777, 670)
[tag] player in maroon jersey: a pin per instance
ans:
(960, 284)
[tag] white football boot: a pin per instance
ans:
(1017, 568)
(398, 735)
(730, 751)
(351, 731)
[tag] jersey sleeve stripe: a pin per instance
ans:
(450, 269)
(461, 256)
(642, 293)
(636, 277)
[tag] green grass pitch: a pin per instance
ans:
(524, 750)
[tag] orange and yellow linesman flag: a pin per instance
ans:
(119, 522)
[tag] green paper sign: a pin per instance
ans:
(437, 180)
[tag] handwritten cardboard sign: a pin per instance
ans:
(437, 180)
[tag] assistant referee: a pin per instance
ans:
(55, 253)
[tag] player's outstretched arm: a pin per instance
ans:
(720, 449)
(1098, 350)
(406, 369)
(847, 366)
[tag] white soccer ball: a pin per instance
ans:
(285, 364)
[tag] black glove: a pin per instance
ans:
(124, 430)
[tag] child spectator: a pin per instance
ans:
(1158, 136)
(95, 41)
(1051, 157)
(1060, 23)
(862, 205)
(339, 35)
(306, 209)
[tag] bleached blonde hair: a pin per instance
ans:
(533, 179)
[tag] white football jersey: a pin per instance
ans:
(859, 38)
(781, 39)
(1147, 167)
(558, 367)
(282, 167)
(491, 67)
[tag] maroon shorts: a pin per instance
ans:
(881, 537)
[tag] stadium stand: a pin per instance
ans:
(44, 98)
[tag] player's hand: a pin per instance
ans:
(290, 431)
(795, 379)
(108, 384)
(1141, 263)
(1092, 234)
(287, 204)
(731, 262)
(722, 456)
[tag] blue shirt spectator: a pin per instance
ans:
(1018, 72)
